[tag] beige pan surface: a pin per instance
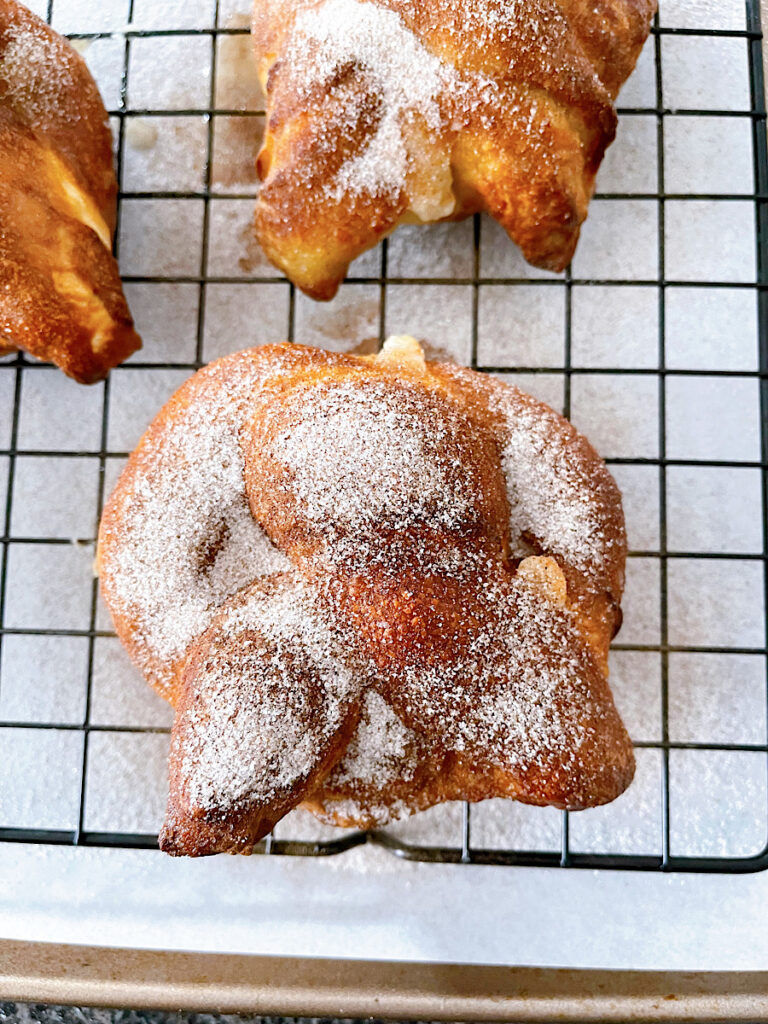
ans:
(264, 985)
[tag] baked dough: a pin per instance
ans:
(266, 708)
(383, 112)
(369, 584)
(60, 293)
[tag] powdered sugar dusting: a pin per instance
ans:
(361, 459)
(271, 695)
(540, 702)
(35, 72)
(518, 696)
(375, 815)
(188, 539)
(517, 691)
(551, 496)
(391, 475)
(378, 752)
(406, 78)
(490, 25)
(382, 758)
(524, 705)
(424, 89)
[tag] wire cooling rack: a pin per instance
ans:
(655, 341)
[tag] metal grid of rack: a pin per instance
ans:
(76, 737)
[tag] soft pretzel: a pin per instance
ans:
(369, 584)
(382, 112)
(60, 293)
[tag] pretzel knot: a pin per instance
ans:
(368, 584)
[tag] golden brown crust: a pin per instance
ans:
(61, 294)
(282, 722)
(443, 426)
(511, 112)
(564, 745)
(163, 464)
(452, 566)
(611, 34)
(594, 590)
(392, 769)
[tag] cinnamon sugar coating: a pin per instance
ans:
(267, 706)
(449, 556)
(382, 112)
(60, 293)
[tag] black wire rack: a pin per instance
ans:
(465, 848)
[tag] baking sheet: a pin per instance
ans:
(352, 989)
(538, 323)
